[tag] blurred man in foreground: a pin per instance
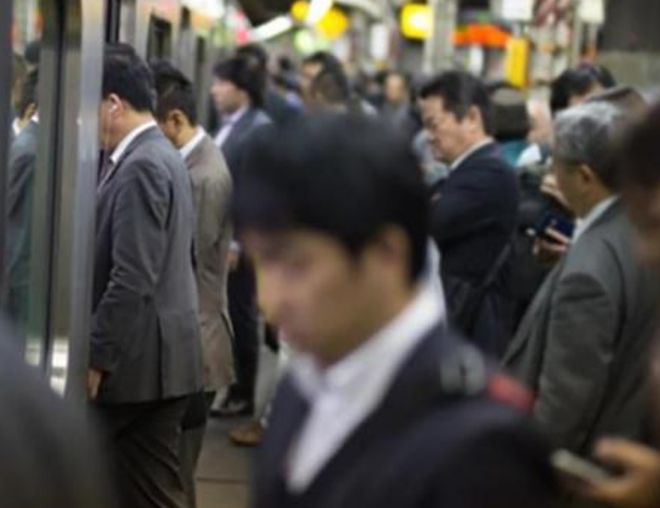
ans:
(583, 342)
(382, 406)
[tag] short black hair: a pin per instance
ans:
(577, 81)
(29, 93)
(639, 156)
(326, 60)
(128, 76)
(347, 176)
(245, 73)
(332, 86)
(174, 91)
(460, 91)
(256, 51)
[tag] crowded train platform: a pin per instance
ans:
(330, 254)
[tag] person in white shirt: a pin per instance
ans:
(382, 405)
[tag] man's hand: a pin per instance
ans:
(550, 249)
(94, 378)
(549, 187)
(639, 484)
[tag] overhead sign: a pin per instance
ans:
(518, 10)
(592, 11)
(416, 21)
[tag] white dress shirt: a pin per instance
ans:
(118, 152)
(227, 126)
(342, 396)
(190, 146)
(594, 214)
(459, 160)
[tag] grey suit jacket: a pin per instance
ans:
(212, 191)
(145, 334)
(583, 344)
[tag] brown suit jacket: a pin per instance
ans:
(212, 190)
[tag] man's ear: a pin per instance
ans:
(392, 245)
(474, 117)
(587, 175)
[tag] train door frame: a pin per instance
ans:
(81, 64)
(6, 55)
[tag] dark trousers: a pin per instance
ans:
(245, 320)
(193, 427)
(142, 443)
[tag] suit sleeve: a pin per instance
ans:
(139, 244)
(578, 354)
(213, 216)
(506, 466)
(461, 209)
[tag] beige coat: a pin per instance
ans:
(212, 190)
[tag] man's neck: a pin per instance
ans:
(133, 122)
(593, 202)
(186, 136)
(471, 146)
(383, 315)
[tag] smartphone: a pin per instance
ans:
(576, 467)
(556, 221)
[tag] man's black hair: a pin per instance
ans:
(245, 73)
(460, 91)
(332, 86)
(174, 91)
(29, 93)
(256, 51)
(577, 81)
(126, 75)
(346, 176)
(326, 60)
(639, 156)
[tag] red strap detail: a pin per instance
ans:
(508, 391)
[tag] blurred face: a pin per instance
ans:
(395, 89)
(308, 73)
(448, 136)
(324, 301)
(110, 112)
(227, 97)
(644, 211)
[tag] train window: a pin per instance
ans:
(159, 43)
(28, 178)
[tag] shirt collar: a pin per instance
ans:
(463, 157)
(128, 139)
(190, 146)
(594, 214)
(372, 366)
(234, 117)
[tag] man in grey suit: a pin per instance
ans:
(582, 345)
(212, 190)
(145, 356)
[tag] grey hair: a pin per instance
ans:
(587, 134)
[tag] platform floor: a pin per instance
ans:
(224, 470)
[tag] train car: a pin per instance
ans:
(47, 225)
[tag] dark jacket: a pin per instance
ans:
(49, 457)
(472, 221)
(20, 202)
(234, 146)
(583, 343)
(145, 333)
(436, 440)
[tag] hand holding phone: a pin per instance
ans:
(577, 468)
